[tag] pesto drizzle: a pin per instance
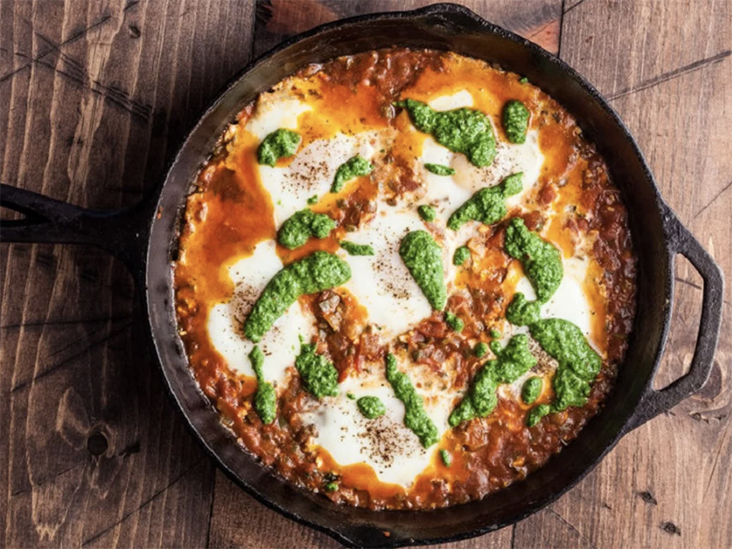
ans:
(265, 399)
(511, 363)
(531, 389)
(317, 272)
(318, 374)
(415, 418)
(578, 366)
(353, 167)
(427, 213)
(356, 249)
(302, 225)
(466, 131)
(454, 322)
(371, 407)
(277, 144)
(460, 256)
(541, 260)
(422, 256)
(488, 205)
(516, 121)
(439, 169)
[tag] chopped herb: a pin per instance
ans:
(423, 257)
(351, 396)
(466, 131)
(331, 487)
(277, 144)
(461, 255)
(488, 205)
(318, 374)
(354, 167)
(523, 80)
(317, 272)
(415, 418)
(427, 213)
(446, 457)
(371, 407)
(516, 121)
(302, 225)
(439, 169)
(454, 321)
(313, 200)
(481, 349)
(356, 249)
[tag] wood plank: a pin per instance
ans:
(537, 20)
(95, 95)
(238, 520)
(667, 67)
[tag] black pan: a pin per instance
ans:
(145, 239)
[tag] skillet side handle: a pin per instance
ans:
(681, 241)
(122, 233)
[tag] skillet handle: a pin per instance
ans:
(681, 241)
(123, 233)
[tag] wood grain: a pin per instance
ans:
(95, 96)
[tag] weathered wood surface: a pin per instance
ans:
(93, 98)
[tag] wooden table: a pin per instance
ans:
(94, 97)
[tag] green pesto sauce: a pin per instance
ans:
(511, 363)
(531, 389)
(461, 255)
(439, 169)
(415, 418)
(427, 213)
(422, 256)
(318, 374)
(446, 457)
(521, 311)
(536, 413)
(276, 145)
(354, 167)
(317, 272)
(541, 260)
(488, 205)
(481, 349)
(454, 321)
(265, 399)
(371, 407)
(516, 121)
(302, 225)
(356, 249)
(465, 131)
(578, 363)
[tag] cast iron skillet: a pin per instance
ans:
(145, 238)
